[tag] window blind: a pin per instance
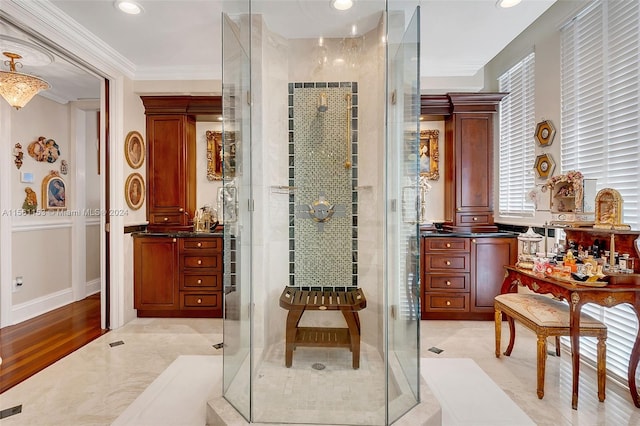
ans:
(517, 126)
(600, 49)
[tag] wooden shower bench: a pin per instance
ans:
(296, 301)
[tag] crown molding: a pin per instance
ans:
(61, 32)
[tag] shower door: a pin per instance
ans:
(402, 246)
(235, 197)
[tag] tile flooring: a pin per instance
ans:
(95, 384)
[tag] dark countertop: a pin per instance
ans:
(432, 234)
(180, 234)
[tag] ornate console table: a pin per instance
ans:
(578, 295)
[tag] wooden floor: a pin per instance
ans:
(30, 346)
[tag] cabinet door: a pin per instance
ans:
(155, 273)
(474, 138)
(488, 258)
(170, 169)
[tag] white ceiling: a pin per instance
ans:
(180, 39)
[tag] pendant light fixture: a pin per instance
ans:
(17, 88)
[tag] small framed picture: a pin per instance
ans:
(134, 191)
(54, 192)
(545, 132)
(134, 149)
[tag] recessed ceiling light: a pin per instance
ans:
(130, 7)
(341, 4)
(507, 3)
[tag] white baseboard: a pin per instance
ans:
(33, 308)
(41, 305)
(93, 286)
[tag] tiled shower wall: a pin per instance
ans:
(323, 257)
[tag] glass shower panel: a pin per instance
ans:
(233, 198)
(403, 255)
(314, 256)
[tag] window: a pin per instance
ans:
(600, 50)
(517, 150)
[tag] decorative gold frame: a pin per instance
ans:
(54, 196)
(134, 199)
(214, 155)
(429, 154)
(609, 210)
(134, 149)
(545, 132)
(544, 165)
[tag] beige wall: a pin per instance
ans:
(45, 245)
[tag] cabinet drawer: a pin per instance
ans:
(437, 282)
(447, 262)
(195, 300)
(195, 244)
(166, 219)
(447, 302)
(447, 244)
(470, 219)
(195, 261)
(194, 282)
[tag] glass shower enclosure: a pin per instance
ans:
(320, 175)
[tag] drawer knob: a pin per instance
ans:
(474, 240)
(448, 303)
(475, 219)
(199, 261)
(199, 301)
(448, 282)
(175, 239)
(180, 209)
(448, 245)
(199, 244)
(459, 209)
(448, 262)
(165, 219)
(199, 281)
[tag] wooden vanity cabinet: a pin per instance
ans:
(201, 274)
(171, 171)
(462, 275)
(468, 184)
(178, 276)
(155, 282)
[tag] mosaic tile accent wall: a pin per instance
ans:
(323, 255)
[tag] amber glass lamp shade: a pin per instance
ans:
(17, 88)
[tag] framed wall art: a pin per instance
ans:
(544, 166)
(214, 155)
(134, 149)
(429, 154)
(54, 195)
(134, 191)
(545, 132)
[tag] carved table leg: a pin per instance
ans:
(633, 359)
(575, 346)
(602, 367)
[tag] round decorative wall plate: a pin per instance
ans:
(545, 133)
(544, 166)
